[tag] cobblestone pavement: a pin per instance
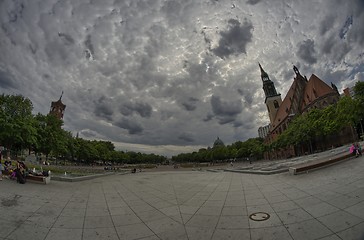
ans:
(324, 204)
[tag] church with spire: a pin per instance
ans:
(303, 95)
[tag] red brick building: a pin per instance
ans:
(303, 95)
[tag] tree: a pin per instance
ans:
(16, 122)
(51, 138)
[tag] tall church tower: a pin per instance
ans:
(57, 108)
(272, 99)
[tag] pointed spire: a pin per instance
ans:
(61, 96)
(263, 74)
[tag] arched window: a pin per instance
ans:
(276, 105)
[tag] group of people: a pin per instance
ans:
(18, 172)
(355, 149)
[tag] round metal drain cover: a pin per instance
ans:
(259, 216)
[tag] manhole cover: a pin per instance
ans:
(259, 216)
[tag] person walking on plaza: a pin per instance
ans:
(358, 149)
(1, 170)
(352, 149)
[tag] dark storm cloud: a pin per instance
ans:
(143, 109)
(306, 51)
(344, 30)
(225, 111)
(247, 94)
(89, 47)
(103, 109)
(252, 2)
(238, 124)
(288, 74)
(6, 81)
(16, 12)
(234, 40)
(328, 45)
(186, 137)
(356, 32)
(66, 38)
(208, 117)
(326, 24)
(190, 104)
(131, 126)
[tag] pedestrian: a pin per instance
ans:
(1, 171)
(358, 149)
(352, 149)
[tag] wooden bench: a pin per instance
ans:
(39, 179)
(305, 167)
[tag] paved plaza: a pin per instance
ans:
(323, 204)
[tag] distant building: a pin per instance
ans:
(263, 131)
(302, 96)
(218, 142)
(57, 108)
(349, 91)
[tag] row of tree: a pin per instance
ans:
(43, 134)
(252, 148)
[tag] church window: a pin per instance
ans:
(276, 105)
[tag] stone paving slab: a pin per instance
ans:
(325, 204)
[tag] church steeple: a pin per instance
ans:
(268, 85)
(263, 74)
(272, 99)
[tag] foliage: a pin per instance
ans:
(320, 123)
(253, 147)
(16, 122)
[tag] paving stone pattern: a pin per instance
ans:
(324, 204)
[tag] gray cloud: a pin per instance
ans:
(190, 104)
(6, 81)
(90, 52)
(234, 40)
(306, 51)
(186, 137)
(225, 111)
(131, 126)
(143, 109)
(103, 109)
(326, 24)
(66, 38)
(253, 2)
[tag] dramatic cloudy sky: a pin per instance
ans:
(168, 76)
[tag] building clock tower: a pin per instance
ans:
(272, 99)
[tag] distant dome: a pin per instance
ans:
(218, 142)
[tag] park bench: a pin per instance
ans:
(313, 165)
(38, 179)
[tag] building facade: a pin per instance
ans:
(303, 95)
(263, 131)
